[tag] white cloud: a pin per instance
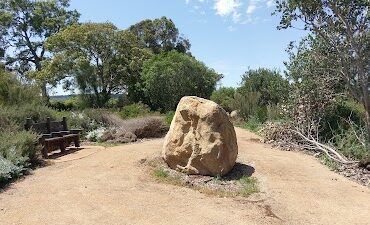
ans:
(270, 3)
(233, 9)
(188, 1)
(236, 17)
(251, 8)
(226, 7)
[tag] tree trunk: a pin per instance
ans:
(44, 91)
(367, 116)
(366, 103)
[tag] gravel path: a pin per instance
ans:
(109, 186)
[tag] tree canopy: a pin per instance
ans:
(24, 27)
(170, 76)
(98, 57)
(269, 83)
(224, 97)
(160, 35)
(342, 29)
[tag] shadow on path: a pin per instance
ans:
(239, 170)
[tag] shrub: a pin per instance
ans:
(79, 120)
(13, 92)
(167, 77)
(224, 97)
(169, 117)
(15, 116)
(252, 124)
(71, 103)
(17, 151)
(134, 110)
(273, 88)
(246, 103)
(352, 142)
(96, 135)
(337, 115)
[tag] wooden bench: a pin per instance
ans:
(54, 135)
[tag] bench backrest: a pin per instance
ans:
(46, 127)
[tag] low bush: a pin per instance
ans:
(13, 92)
(169, 117)
(252, 124)
(124, 131)
(351, 142)
(64, 105)
(15, 116)
(224, 97)
(134, 110)
(17, 151)
(337, 117)
(246, 104)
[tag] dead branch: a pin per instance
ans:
(312, 144)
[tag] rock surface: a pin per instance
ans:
(201, 139)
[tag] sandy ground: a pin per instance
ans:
(99, 185)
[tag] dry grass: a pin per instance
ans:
(124, 131)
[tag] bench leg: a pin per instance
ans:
(44, 151)
(77, 141)
(62, 146)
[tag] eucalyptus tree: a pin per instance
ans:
(160, 35)
(343, 30)
(98, 58)
(24, 27)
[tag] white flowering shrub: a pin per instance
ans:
(96, 135)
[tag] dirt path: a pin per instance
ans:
(108, 186)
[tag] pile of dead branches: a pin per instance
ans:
(289, 137)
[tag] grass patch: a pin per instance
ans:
(249, 184)
(252, 124)
(243, 186)
(328, 162)
(161, 173)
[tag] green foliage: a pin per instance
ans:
(25, 25)
(273, 88)
(328, 162)
(170, 76)
(249, 184)
(71, 103)
(160, 172)
(14, 117)
(337, 117)
(160, 35)
(169, 117)
(61, 105)
(100, 59)
(134, 110)
(246, 103)
(253, 124)
(224, 97)
(351, 141)
(17, 150)
(13, 92)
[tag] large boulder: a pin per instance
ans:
(201, 139)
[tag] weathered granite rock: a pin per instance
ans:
(201, 139)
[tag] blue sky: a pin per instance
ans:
(229, 36)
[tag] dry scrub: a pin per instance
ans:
(125, 131)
